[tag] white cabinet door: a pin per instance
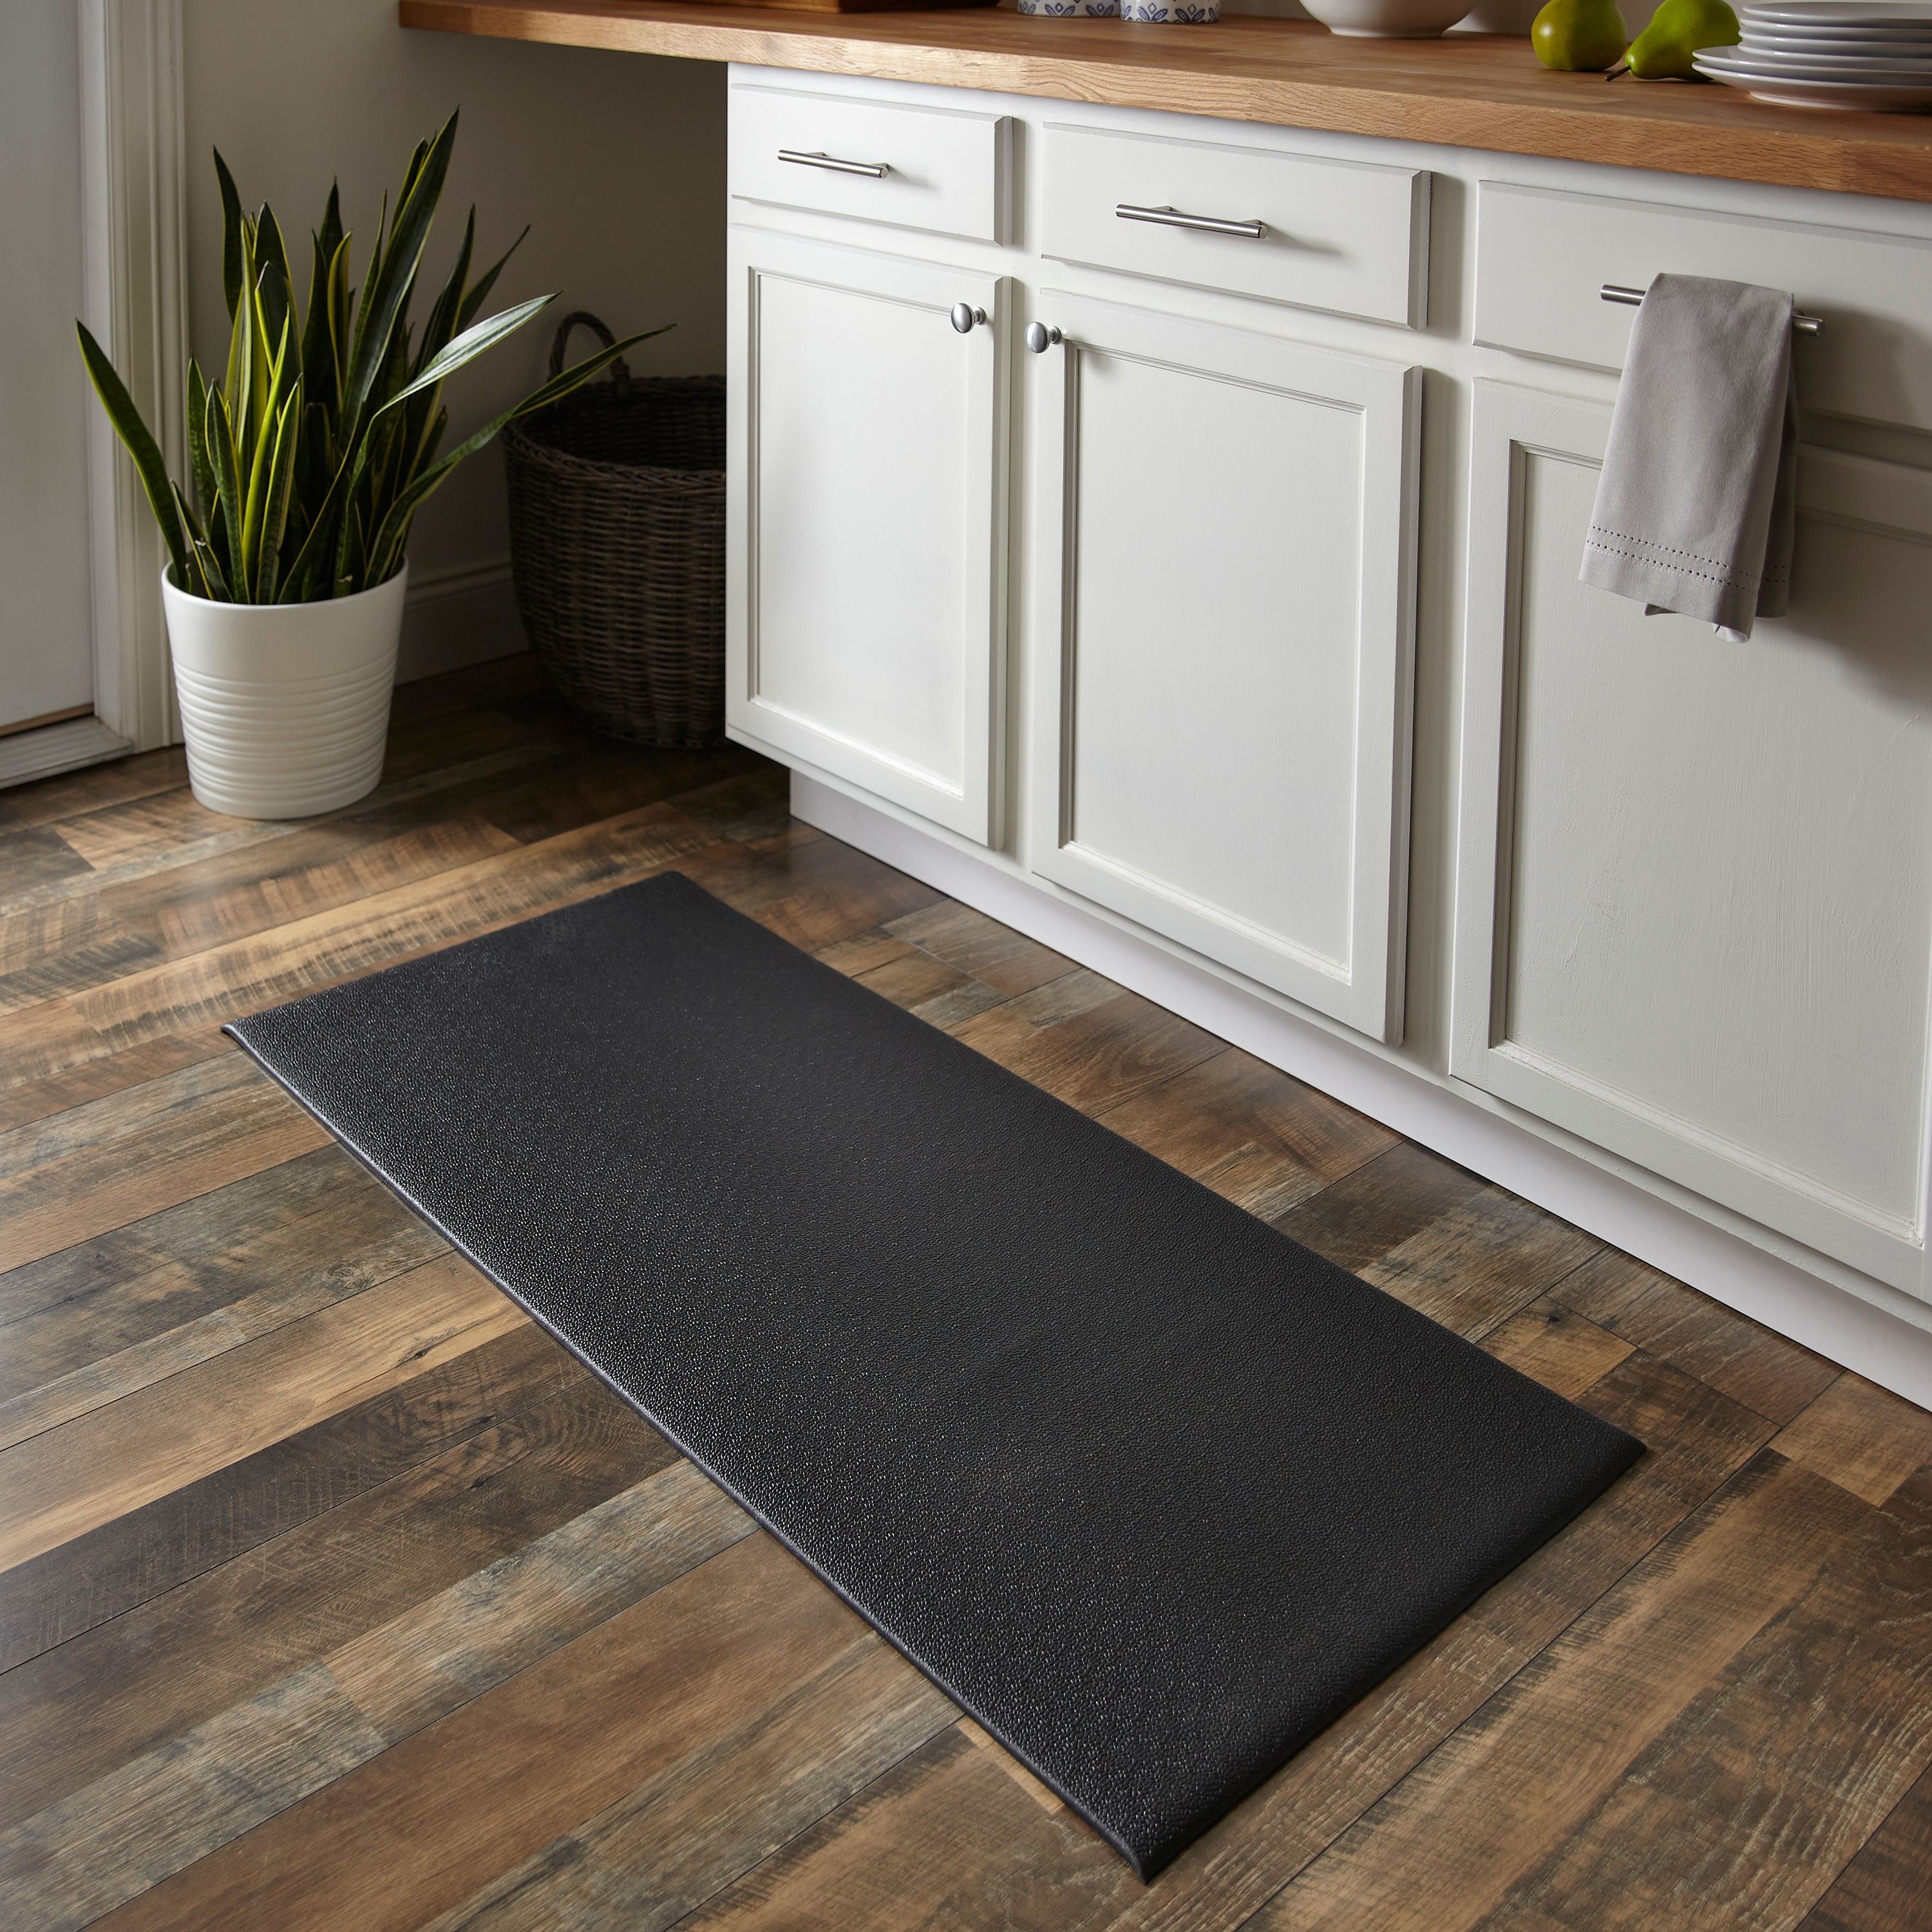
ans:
(1694, 908)
(865, 522)
(1225, 538)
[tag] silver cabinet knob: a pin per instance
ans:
(1039, 338)
(966, 317)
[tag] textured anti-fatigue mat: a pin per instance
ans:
(1151, 1490)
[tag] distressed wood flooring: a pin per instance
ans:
(334, 1594)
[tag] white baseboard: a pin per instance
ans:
(1894, 1350)
(48, 749)
(463, 615)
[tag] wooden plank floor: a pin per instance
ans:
(333, 1593)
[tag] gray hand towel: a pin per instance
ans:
(1696, 507)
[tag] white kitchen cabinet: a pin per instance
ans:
(1223, 543)
(1693, 911)
(1640, 924)
(865, 521)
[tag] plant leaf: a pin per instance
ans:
(341, 309)
(261, 463)
(218, 586)
(387, 296)
(350, 556)
(216, 513)
(330, 234)
(470, 344)
(233, 281)
(441, 323)
(410, 173)
(203, 577)
(227, 460)
(318, 359)
(140, 445)
(238, 381)
(274, 280)
(200, 469)
(275, 512)
(321, 542)
(385, 550)
(578, 373)
(478, 292)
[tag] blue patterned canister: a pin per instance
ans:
(1071, 9)
(1175, 12)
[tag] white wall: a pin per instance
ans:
(616, 160)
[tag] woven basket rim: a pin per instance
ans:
(525, 441)
(590, 469)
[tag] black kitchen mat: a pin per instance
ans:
(1154, 1492)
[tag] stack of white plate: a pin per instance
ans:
(1870, 55)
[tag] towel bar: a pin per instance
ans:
(1805, 324)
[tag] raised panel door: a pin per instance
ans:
(1224, 534)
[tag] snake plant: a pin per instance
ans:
(312, 454)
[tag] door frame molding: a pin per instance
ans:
(135, 300)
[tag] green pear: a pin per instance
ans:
(1677, 29)
(1579, 36)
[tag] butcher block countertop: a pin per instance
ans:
(1464, 92)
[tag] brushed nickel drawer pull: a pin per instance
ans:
(1208, 224)
(877, 170)
(1612, 291)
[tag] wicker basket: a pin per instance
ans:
(617, 547)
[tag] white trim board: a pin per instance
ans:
(1894, 1350)
(463, 614)
(133, 213)
(48, 749)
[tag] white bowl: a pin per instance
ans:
(1388, 19)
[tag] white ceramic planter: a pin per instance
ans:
(285, 706)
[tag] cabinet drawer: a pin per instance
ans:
(939, 169)
(1542, 255)
(1340, 235)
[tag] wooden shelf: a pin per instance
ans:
(1466, 92)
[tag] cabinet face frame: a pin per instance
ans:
(972, 808)
(1511, 426)
(1367, 992)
